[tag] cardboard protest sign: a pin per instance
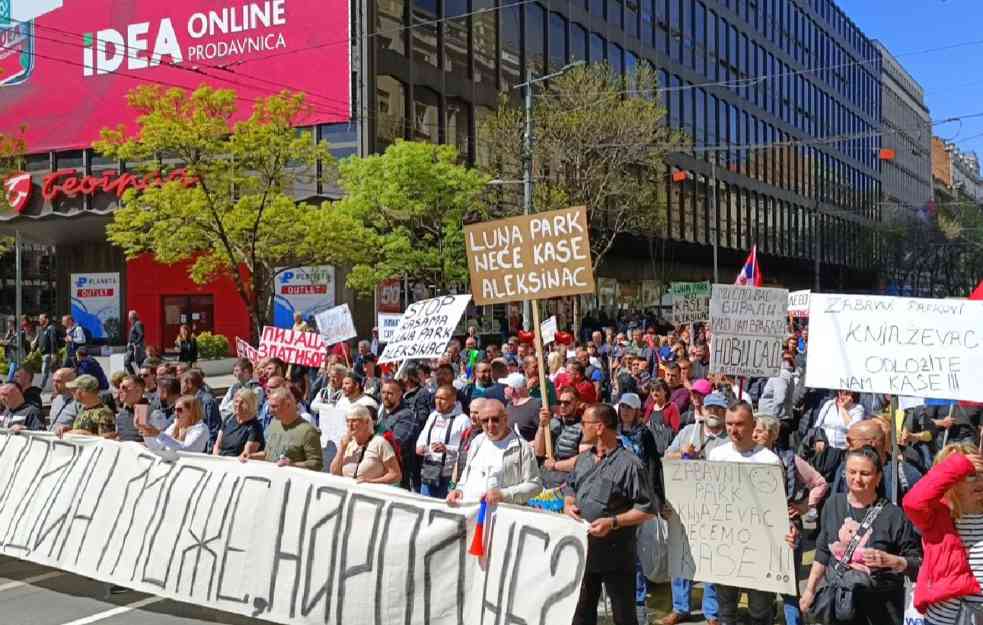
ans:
(896, 345)
(247, 351)
(749, 326)
(530, 257)
(335, 324)
(387, 324)
(280, 544)
(298, 348)
(690, 302)
(548, 330)
(425, 328)
(729, 523)
(798, 303)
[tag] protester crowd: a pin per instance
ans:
(887, 496)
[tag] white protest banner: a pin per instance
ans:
(749, 326)
(425, 328)
(729, 524)
(690, 302)
(548, 330)
(247, 351)
(298, 348)
(282, 544)
(798, 303)
(336, 325)
(387, 324)
(332, 424)
(896, 345)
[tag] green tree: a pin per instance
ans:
(238, 218)
(600, 142)
(415, 199)
(12, 148)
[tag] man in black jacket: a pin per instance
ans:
(396, 417)
(136, 349)
(48, 344)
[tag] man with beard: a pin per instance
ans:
(396, 417)
(566, 433)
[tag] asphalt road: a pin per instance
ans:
(31, 594)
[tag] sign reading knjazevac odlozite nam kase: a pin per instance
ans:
(896, 345)
(111, 50)
(749, 326)
(530, 257)
(425, 328)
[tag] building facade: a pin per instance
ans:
(783, 96)
(907, 131)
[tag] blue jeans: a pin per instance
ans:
(48, 367)
(641, 585)
(790, 603)
(438, 491)
(682, 594)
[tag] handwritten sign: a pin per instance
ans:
(547, 330)
(690, 302)
(896, 345)
(336, 325)
(530, 257)
(298, 348)
(387, 324)
(247, 351)
(279, 544)
(798, 303)
(729, 524)
(749, 326)
(425, 328)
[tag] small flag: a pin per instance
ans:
(750, 274)
(478, 542)
(977, 293)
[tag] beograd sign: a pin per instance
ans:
(530, 257)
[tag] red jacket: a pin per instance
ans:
(945, 572)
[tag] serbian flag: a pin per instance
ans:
(977, 292)
(478, 541)
(750, 274)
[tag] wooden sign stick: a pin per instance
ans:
(543, 389)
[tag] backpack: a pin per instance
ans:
(663, 436)
(390, 438)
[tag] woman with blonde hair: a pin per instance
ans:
(188, 432)
(947, 508)
(554, 364)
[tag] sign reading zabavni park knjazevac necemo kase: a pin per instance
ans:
(896, 345)
(536, 256)
(281, 544)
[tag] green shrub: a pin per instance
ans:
(212, 346)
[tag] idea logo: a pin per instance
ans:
(17, 189)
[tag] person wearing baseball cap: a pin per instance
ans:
(94, 418)
(523, 410)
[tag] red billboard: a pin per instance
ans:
(67, 65)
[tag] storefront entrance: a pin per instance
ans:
(194, 310)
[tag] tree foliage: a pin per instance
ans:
(414, 198)
(12, 150)
(239, 219)
(600, 141)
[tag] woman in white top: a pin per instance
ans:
(188, 432)
(834, 419)
(364, 456)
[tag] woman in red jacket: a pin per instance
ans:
(947, 508)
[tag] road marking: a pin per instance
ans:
(123, 609)
(29, 580)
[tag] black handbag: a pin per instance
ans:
(431, 473)
(836, 600)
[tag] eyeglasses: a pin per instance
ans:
(492, 420)
(566, 402)
(589, 421)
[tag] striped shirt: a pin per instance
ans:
(970, 528)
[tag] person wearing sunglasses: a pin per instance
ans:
(946, 507)
(501, 466)
(187, 433)
(566, 435)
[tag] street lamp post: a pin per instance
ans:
(18, 287)
(527, 161)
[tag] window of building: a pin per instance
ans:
(712, 59)
(485, 41)
(535, 40)
(389, 18)
(647, 28)
(616, 58)
(456, 36)
(675, 32)
(615, 13)
(662, 26)
(700, 39)
(482, 155)
(424, 31)
(598, 48)
(390, 111)
(511, 45)
(578, 42)
(631, 18)
(597, 8)
(558, 41)
(722, 29)
(426, 115)
(700, 117)
(459, 125)
(688, 123)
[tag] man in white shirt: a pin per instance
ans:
(501, 466)
(742, 448)
(74, 339)
(439, 441)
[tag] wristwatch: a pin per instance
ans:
(614, 522)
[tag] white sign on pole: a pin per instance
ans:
(749, 327)
(335, 324)
(729, 524)
(387, 324)
(548, 330)
(798, 303)
(285, 545)
(896, 345)
(425, 328)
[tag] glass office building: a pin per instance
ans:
(781, 97)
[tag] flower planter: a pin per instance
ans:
(218, 366)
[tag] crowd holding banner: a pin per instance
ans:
(440, 476)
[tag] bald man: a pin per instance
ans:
(874, 433)
(16, 414)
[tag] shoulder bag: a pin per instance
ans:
(431, 473)
(836, 600)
